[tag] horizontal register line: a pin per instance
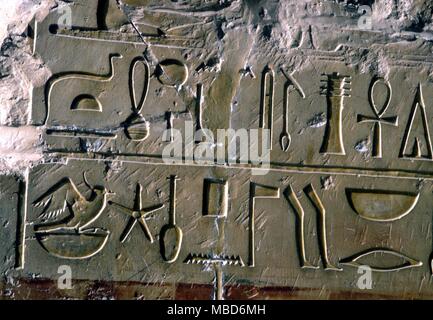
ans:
(274, 166)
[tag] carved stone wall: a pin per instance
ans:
(216, 149)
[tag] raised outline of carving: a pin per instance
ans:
(100, 194)
(285, 138)
(418, 104)
(171, 225)
(268, 78)
(350, 192)
(137, 214)
(92, 233)
(206, 259)
(72, 225)
(80, 133)
(410, 263)
(199, 113)
(138, 107)
(290, 85)
(206, 189)
(336, 55)
(409, 61)
(274, 166)
(125, 38)
(21, 223)
(101, 14)
(252, 219)
(299, 214)
(335, 87)
(217, 262)
(141, 132)
(55, 79)
(321, 225)
(201, 12)
(75, 106)
(160, 71)
(378, 119)
(169, 117)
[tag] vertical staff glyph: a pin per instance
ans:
(335, 88)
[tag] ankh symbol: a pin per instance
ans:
(378, 118)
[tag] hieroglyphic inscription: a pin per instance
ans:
(290, 85)
(381, 205)
(137, 214)
(267, 92)
(66, 217)
(257, 191)
(407, 264)
(421, 146)
(122, 109)
(171, 235)
(378, 118)
(321, 225)
(335, 88)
